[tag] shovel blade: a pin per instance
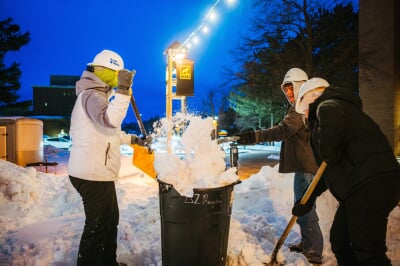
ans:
(144, 160)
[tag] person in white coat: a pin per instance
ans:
(95, 155)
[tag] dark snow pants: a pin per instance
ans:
(358, 232)
(98, 243)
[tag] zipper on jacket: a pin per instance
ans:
(107, 150)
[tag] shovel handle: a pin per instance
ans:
(293, 219)
(313, 183)
(138, 116)
(139, 120)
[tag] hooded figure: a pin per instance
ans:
(291, 83)
(295, 156)
(95, 156)
(362, 173)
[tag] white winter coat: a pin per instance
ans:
(96, 130)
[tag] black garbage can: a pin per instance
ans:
(195, 231)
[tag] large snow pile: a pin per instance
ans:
(203, 165)
(41, 216)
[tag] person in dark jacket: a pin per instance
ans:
(295, 156)
(362, 173)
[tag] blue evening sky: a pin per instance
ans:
(66, 35)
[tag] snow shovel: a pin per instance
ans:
(304, 199)
(143, 157)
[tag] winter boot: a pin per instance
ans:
(313, 258)
(296, 247)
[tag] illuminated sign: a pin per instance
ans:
(185, 78)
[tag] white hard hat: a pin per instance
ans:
(297, 77)
(309, 86)
(109, 59)
(295, 74)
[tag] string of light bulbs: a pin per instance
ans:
(203, 26)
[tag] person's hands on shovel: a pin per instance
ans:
(144, 141)
(302, 209)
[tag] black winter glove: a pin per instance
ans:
(147, 140)
(141, 141)
(246, 138)
(302, 209)
(125, 78)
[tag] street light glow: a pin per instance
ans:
(211, 16)
(196, 39)
(231, 2)
(205, 29)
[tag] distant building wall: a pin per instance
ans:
(53, 101)
(57, 99)
(379, 55)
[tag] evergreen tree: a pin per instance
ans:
(11, 39)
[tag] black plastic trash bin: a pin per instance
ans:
(195, 231)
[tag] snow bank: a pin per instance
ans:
(41, 214)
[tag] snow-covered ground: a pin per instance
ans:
(41, 217)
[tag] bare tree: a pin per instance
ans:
(317, 36)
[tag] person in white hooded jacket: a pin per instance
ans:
(95, 156)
